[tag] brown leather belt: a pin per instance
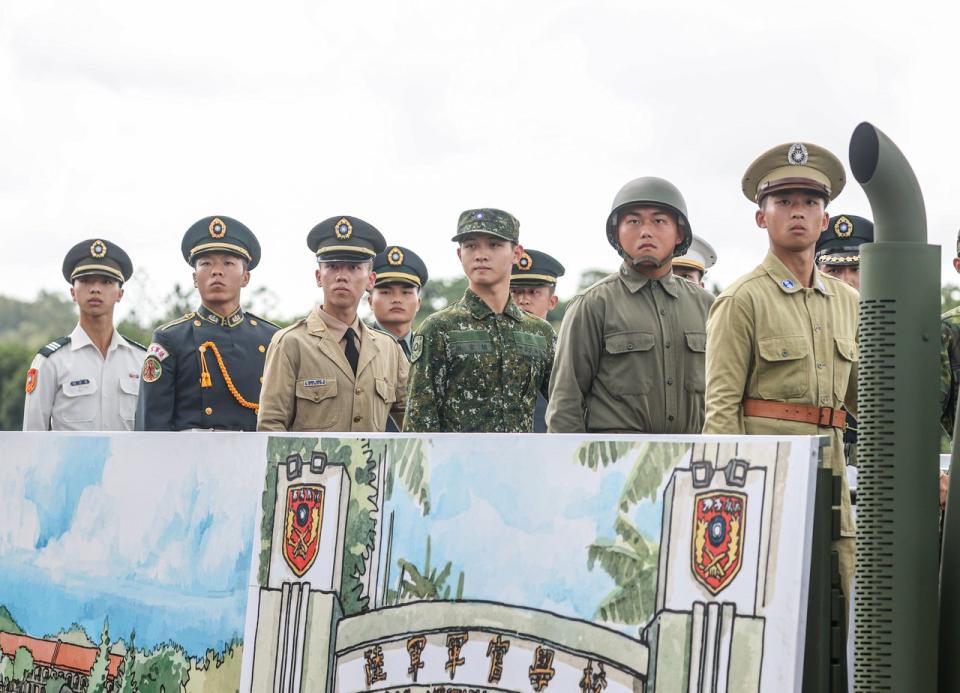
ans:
(803, 413)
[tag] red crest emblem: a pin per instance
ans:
(301, 535)
(31, 384)
(717, 550)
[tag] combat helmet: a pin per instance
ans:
(653, 191)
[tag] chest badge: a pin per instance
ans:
(787, 284)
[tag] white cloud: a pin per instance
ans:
(19, 519)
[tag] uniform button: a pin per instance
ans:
(253, 322)
(667, 345)
(817, 328)
(359, 390)
(208, 411)
(824, 400)
(197, 323)
(663, 312)
(670, 417)
(820, 365)
(784, 353)
(629, 345)
(669, 381)
(356, 419)
(261, 348)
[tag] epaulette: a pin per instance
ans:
(263, 320)
(54, 346)
(170, 324)
(377, 328)
(134, 343)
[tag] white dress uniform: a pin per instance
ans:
(72, 387)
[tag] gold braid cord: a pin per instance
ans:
(206, 382)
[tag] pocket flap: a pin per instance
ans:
(385, 391)
(848, 348)
(78, 387)
(624, 342)
(130, 385)
(783, 348)
(316, 389)
(697, 341)
(470, 342)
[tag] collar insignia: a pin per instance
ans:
(787, 284)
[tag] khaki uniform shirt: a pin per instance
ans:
(630, 357)
(308, 384)
(770, 338)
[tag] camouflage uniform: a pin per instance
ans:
(478, 371)
(949, 367)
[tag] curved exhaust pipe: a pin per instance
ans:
(897, 495)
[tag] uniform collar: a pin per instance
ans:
(784, 278)
(335, 326)
(408, 338)
(480, 310)
(79, 339)
(634, 281)
(232, 320)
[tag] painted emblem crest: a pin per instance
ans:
(98, 249)
(843, 228)
(525, 262)
(31, 381)
(797, 156)
(395, 257)
(301, 534)
(217, 228)
(716, 551)
(152, 370)
(343, 229)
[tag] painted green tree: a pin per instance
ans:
(630, 558)
(424, 584)
(22, 663)
(98, 676)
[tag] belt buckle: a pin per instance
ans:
(825, 416)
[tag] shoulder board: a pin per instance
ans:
(53, 346)
(380, 330)
(170, 324)
(134, 343)
(262, 320)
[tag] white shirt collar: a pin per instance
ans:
(79, 339)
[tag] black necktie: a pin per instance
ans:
(406, 349)
(353, 356)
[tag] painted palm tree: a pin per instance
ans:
(425, 584)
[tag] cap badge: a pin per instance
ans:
(478, 216)
(98, 249)
(787, 283)
(217, 228)
(344, 229)
(525, 262)
(843, 228)
(797, 156)
(395, 257)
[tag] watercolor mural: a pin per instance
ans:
(240, 562)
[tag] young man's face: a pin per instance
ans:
(487, 260)
(219, 277)
(648, 233)
(394, 305)
(538, 300)
(691, 274)
(344, 283)
(849, 274)
(96, 295)
(793, 219)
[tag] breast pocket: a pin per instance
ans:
(630, 364)
(129, 389)
(848, 354)
(784, 369)
(316, 405)
(695, 368)
(79, 402)
(469, 342)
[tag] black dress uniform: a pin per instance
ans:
(204, 370)
(536, 268)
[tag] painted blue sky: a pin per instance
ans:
(521, 534)
(130, 528)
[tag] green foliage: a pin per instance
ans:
(426, 584)
(129, 670)
(54, 685)
(217, 671)
(7, 623)
(949, 297)
(653, 462)
(22, 663)
(597, 453)
(15, 360)
(163, 669)
(6, 668)
(439, 293)
(36, 322)
(408, 460)
(631, 560)
(98, 675)
(75, 635)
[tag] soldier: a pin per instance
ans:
(782, 340)
(395, 296)
(694, 265)
(329, 371)
(838, 249)
(630, 356)
(479, 363)
(88, 380)
(204, 370)
(533, 287)
(950, 360)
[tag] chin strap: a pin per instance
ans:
(205, 380)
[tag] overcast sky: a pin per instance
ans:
(130, 121)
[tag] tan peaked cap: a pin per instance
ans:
(794, 166)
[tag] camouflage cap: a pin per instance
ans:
(495, 222)
(797, 166)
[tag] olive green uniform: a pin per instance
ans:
(770, 338)
(474, 370)
(949, 368)
(630, 357)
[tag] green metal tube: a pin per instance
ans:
(896, 579)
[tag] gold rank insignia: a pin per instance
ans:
(98, 249)
(395, 257)
(525, 262)
(843, 228)
(217, 228)
(343, 229)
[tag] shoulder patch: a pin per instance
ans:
(417, 349)
(170, 324)
(134, 343)
(54, 346)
